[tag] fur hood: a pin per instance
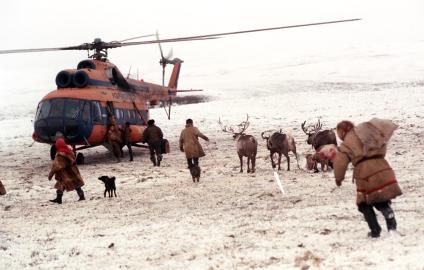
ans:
(375, 133)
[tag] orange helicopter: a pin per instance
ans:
(86, 96)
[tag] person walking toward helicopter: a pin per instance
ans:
(153, 136)
(114, 137)
(127, 138)
(65, 171)
(189, 143)
(365, 146)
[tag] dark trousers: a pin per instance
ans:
(77, 189)
(371, 218)
(155, 149)
(192, 161)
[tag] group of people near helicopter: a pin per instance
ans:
(363, 145)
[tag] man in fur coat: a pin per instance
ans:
(189, 143)
(65, 171)
(365, 146)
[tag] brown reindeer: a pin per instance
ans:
(247, 145)
(324, 156)
(318, 137)
(282, 144)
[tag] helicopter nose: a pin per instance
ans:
(46, 129)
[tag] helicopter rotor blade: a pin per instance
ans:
(101, 45)
(169, 55)
(162, 60)
(163, 76)
(160, 46)
(37, 50)
(144, 36)
(217, 35)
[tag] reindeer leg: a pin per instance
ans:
(248, 164)
(279, 161)
(325, 167)
(241, 163)
(297, 159)
(316, 167)
(253, 164)
(288, 161)
(272, 160)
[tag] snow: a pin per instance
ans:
(230, 220)
(162, 220)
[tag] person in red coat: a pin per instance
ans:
(65, 171)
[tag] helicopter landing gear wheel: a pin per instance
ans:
(80, 159)
(52, 151)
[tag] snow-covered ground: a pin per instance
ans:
(230, 220)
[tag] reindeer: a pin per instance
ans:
(247, 145)
(318, 137)
(282, 144)
(324, 156)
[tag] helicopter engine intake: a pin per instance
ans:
(64, 79)
(81, 79)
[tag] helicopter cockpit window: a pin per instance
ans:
(72, 109)
(96, 112)
(86, 112)
(42, 110)
(56, 107)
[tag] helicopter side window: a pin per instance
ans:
(96, 112)
(132, 115)
(139, 117)
(128, 115)
(86, 112)
(56, 107)
(73, 108)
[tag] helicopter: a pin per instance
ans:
(85, 97)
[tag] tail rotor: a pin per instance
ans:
(163, 60)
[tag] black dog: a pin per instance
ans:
(195, 173)
(109, 182)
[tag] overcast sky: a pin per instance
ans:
(42, 23)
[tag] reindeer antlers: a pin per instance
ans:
(225, 128)
(241, 127)
(311, 128)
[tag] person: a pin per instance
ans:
(127, 138)
(153, 136)
(65, 171)
(189, 143)
(365, 147)
(114, 137)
